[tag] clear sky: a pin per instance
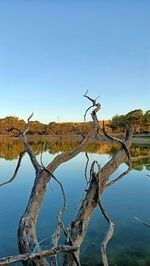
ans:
(52, 51)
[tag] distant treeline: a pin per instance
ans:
(140, 121)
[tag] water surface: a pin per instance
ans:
(126, 199)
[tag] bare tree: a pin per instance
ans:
(98, 182)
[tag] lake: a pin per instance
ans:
(124, 200)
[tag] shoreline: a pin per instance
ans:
(140, 139)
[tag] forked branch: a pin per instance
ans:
(94, 104)
(22, 136)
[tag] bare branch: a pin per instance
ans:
(86, 167)
(16, 170)
(108, 235)
(123, 143)
(142, 157)
(30, 153)
(30, 117)
(55, 239)
(139, 220)
(27, 125)
(56, 235)
(38, 255)
(117, 178)
(78, 131)
(86, 93)
(80, 224)
(14, 129)
(111, 224)
(110, 231)
(87, 111)
(89, 98)
(27, 225)
(22, 136)
(94, 104)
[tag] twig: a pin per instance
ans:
(86, 167)
(141, 157)
(16, 170)
(117, 178)
(28, 124)
(78, 131)
(139, 220)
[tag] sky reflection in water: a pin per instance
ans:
(127, 198)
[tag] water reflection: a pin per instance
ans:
(11, 148)
(130, 245)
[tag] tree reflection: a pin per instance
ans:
(10, 149)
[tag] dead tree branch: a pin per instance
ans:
(16, 170)
(78, 131)
(105, 214)
(80, 224)
(56, 235)
(94, 104)
(117, 178)
(38, 255)
(141, 157)
(122, 142)
(22, 136)
(86, 167)
(97, 176)
(139, 220)
(108, 235)
(27, 225)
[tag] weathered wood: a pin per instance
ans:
(80, 224)
(27, 226)
(98, 183)
(38, 255)
(16, 170)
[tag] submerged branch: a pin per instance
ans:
(139, 220)
(105, 214)
(38, 255)
(108, 235)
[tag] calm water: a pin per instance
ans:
(127, 198)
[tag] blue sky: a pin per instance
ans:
(52, 51)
